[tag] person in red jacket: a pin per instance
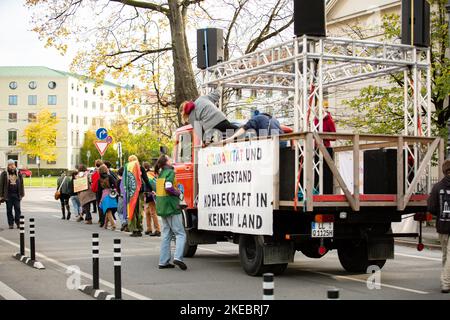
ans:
(94, 187)
(328, 124)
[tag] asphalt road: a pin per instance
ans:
(214, 273)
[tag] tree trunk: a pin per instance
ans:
(185, 85)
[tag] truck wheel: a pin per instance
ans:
(189, 249)
(354, 257)
(251, 255)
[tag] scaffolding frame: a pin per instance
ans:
(306, 66)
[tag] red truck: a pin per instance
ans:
(357, 225)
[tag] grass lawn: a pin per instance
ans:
(45, 182)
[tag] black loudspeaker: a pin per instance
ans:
(380, 171)
(309, 18)
(416, 23)
(210, 50)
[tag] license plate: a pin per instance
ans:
(322, 230)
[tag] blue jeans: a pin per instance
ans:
(172, 225)
(75, 201)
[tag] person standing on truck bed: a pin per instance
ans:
(204, 116)
(439, 206)
(263, 124)
(168, 208)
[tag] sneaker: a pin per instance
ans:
(139, 234)
(147, 233)
(68, 217)
(180, 264)
(167, 266)
(155, 234)
(63, 218)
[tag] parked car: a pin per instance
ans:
(25, 172)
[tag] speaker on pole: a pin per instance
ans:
(309, 18)
(416, 23)
(210, 50)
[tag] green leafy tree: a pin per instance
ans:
(40, 137)
(382, 107)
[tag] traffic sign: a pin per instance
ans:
(109, 139)
(101, 133)
(101, 146)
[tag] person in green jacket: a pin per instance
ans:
(168, 208)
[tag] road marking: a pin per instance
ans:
(8, 293)
(84, 274)
(336, 277)
(418, 257)
(219, 252)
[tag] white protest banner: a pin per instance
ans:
(236, 187)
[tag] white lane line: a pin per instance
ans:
(418, 257)
(8, 293)
(84, 274)
(219, 252)
(365, 281)
(341, 277)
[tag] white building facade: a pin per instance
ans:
(78, 103)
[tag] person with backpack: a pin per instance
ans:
(107, 196)
(87, 197)
(439, 206)
(64, 193)
(149, 204)
(168, 208)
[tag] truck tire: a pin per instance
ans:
(189, 249)
(251, 254)
(353, 257)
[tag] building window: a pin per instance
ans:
(77, 139)
(72, 101)
(71, 118)
(52, 85)
(12, 138)
(71, 139)
(13, 85)
(32, 85)
(101, 93)
(85, 104)
(85, 120)
(76, 119)
(111, 108)
(12, 117)
(85, 89)
(73, 86)
(51, 162)
(94, 92)
(94, 105)
(101, 106)
(31, 159)
(93, 122)
(12, 100)
(32, 100)
(31, 117)
(101, 122)
(53, 114)
(52, 100)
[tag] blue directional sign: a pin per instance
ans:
(101, 133)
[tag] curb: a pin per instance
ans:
(29, 262)
(96, 294)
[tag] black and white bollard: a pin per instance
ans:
(117, 270)
(22, 235)
(268, 286)
(30, 261)
(333, 294)
(32, 241)
(95, 262)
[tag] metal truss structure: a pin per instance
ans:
(307, 66)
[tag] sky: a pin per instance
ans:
(19, 45)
